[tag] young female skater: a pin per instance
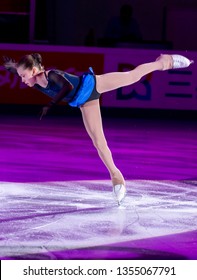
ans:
(84, 92)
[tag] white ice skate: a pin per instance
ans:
(180, 61)
(120, 192)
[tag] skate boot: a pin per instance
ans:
(180, 61)
(120, 192)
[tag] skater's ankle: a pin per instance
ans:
(117, 178)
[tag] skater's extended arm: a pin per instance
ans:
(65, 88)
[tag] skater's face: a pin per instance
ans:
(28, 76)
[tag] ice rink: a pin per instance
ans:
(57, 200)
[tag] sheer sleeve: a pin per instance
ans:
(62, 83)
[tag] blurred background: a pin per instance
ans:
(110, 35)
(170, 23)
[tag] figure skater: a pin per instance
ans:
(84, 92)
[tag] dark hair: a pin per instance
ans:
(28, 61)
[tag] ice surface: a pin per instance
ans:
(51, 216)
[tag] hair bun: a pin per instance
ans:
(37, 57)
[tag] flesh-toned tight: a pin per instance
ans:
(93, 123)
(91, 110)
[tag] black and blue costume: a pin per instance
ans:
(72, 89)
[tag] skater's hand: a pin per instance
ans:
(44, 111)
(46, 108)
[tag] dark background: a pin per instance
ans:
(163, 23)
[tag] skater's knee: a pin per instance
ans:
(100, 145)
(136, 75)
